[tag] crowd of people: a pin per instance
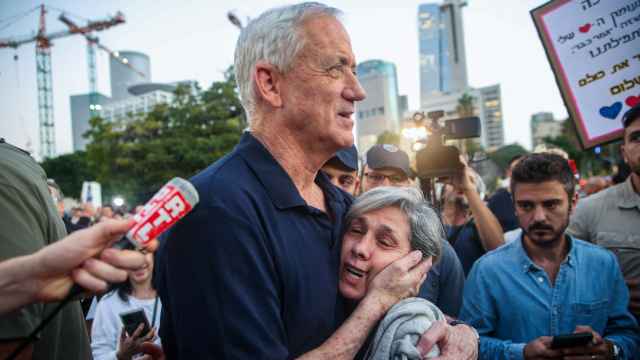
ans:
(302, 248)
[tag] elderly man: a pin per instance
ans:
(252, 272)
(611, 218)
(542, 285)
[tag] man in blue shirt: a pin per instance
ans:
(252, 272)
(547, 283)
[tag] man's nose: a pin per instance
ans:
(539, 214)
(355, 92)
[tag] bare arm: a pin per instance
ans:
(48, 274)
(489, 229)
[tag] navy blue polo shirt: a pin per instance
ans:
(252, 272)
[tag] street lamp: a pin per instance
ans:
(118, 201)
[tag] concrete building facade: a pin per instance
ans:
(544, 125)
(380, 111)
(123, 76)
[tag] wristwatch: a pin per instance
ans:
(615, 350)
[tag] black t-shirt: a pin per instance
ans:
(501, 204)
(465, 240)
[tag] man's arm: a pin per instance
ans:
(489, 229)
(621, 328)
(451, 282)
(478, 312)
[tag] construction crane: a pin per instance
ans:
(43, 70)
(92, 43)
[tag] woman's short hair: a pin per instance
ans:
(427, 232)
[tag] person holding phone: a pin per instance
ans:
(127, 317)
(547, 294)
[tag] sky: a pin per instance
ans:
(193, 40)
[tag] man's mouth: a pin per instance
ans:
(346, 114)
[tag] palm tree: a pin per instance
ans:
(466, 105)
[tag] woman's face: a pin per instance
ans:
(371, 242)
(144, 273)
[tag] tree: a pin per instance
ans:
(69, 171)
(389, 137)
(136, 156)
(503, 155)
(466, 105)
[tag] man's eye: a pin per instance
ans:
(336, 70)
(347, 180)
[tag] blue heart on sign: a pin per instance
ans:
(611, 112)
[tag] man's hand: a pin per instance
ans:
(399, 280)
(458, 342)
(634, 295)
(540, 348)
(597, 349)
(85, 258)
(466, 181)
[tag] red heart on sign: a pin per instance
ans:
(585, 28)
(632, 100)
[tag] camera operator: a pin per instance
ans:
(471, 227)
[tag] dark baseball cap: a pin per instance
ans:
(630, 115)
(388, 156)
(347, 157)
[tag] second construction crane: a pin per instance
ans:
(43, 69)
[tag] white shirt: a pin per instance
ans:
(107, 325)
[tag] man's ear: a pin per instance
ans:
(624, 154)
(267, 82)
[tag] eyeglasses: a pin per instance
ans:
(378, 178)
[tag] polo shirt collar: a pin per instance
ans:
(274, 178)
(629, 198)
(526, 264)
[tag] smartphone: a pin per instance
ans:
(132, 319)
(571, 340)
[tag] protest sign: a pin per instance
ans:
(594, 49)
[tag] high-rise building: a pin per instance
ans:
(543, 125)
(490, 105)
(123, 76)
(443, 65)
(379, 111)
(80, 115)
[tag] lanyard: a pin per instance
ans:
(155, 308)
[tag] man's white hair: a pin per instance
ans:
(274, 38)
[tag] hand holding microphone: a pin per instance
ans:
(93, 257)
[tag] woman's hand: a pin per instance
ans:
(131, 345)
(399, 280)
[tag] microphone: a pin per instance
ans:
(170, 204)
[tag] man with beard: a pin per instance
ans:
(611, 218)
(543, 285)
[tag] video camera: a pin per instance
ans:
(436, 159)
